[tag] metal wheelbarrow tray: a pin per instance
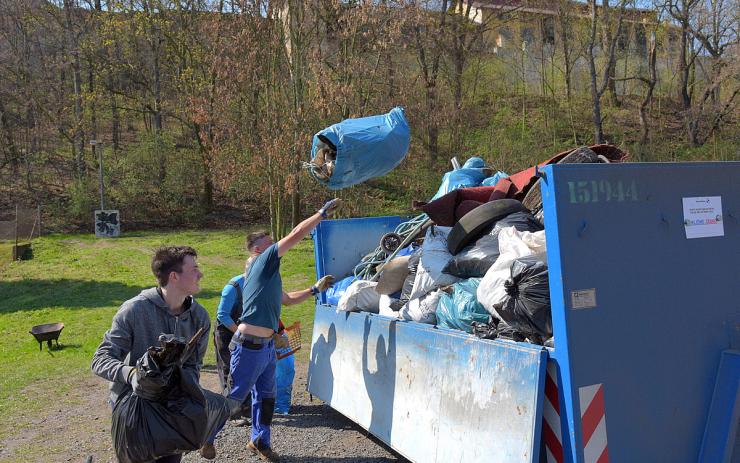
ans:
(47, 332)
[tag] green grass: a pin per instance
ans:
(81, 281)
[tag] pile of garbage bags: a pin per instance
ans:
(481, 266)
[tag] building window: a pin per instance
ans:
(548, 30)
(503, 37)
(527, 35)
(641, 40)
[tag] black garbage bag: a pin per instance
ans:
(475, 260)
(495, 328)
(167, 412)
(408, 283)
(486, 330)
(526, 307)
(504, 331)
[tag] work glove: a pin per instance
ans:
(330, 207)
(323, 284)
(133, 378)
(281, 340)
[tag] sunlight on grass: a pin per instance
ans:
(81, 281)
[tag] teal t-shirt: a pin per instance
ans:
(262, 296)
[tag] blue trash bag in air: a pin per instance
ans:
(284, 375)
(469, 175)
(334, 293)
(366, 147)
(493, 179)
(459, 310)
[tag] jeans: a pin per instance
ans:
(253, 370)
(221, 338)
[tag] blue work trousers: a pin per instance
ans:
(253, 370)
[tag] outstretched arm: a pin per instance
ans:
(296, 297)
(298, 233)
(305, 227)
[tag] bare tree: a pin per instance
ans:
(713, 25)
(465, 38)
(429, 49)
(73, 50)
(598, 88)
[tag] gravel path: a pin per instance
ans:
(312, 433)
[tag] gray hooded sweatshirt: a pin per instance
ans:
(137, 326)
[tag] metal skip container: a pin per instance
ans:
(644, 263)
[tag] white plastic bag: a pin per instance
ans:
(385, 307)
(360, 297)
(434, 258)
(512, 244)
(423, 309)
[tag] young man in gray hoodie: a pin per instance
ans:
(169, 308)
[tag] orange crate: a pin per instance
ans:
(294, 339)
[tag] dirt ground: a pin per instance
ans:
(79, 431)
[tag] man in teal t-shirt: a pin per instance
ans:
(252, 348)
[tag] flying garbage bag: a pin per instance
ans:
(356, 150)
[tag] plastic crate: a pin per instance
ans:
(294, 340)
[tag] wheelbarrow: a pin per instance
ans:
(48, 332)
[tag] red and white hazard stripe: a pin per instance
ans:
(593, 424)
(552, 432)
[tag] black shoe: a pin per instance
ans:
(242, 422)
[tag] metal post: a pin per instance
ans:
(94, 144)
(16, 228)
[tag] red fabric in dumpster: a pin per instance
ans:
(444, 211)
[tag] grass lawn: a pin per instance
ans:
(81, 281)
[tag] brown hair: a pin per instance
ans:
(169, 259)
(253, 237)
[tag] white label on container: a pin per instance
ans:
(702, 217)
(583, 298)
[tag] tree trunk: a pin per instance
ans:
(431, 125)
(295, 201)
(458, 102)
(115, 117)
(564, 26)
(595, 96)
(93, 108)
(72, 45)
(206, 201)
(7, 133)
(649, 94)
(684, 62)
(157, 91)
(612, 86)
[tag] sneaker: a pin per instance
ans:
(208, 451)
(264, 452)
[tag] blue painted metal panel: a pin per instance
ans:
(723, 424)
(663, 307)
(340, 244)
(432, 395)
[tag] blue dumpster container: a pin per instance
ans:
(646, 321)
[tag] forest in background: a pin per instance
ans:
(205, 110)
